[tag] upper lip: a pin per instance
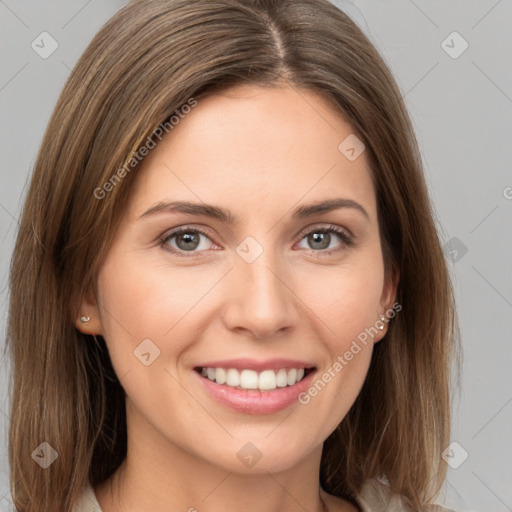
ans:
(258, 366)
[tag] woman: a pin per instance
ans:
(227, 288)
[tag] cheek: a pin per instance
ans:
(346, 306)
(128, 299)
(142, 300)
(347, 297)
(136, 296)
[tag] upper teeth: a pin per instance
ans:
(250, 379)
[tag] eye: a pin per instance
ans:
(187, 239)
(320, 238)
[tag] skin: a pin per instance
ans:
(259, 153)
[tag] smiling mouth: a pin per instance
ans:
(246, 379)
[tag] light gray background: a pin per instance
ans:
(461, 108)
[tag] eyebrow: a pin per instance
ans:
(226, 216)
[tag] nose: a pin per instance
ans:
(260, 298)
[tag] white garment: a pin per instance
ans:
(375, 496)
(87, 502)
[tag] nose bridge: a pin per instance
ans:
(260, 299)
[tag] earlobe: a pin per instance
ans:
(86, 317)
(387, 303)
(88, 324)
(381, 325)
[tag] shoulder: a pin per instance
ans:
(376, 496)
(87, 501)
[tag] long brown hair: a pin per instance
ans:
(148, 61)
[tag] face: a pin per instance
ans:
(262, 285)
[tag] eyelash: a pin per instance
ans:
(330, 228)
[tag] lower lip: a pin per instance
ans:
(253, 401)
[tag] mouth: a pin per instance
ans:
(255, 391)
(247, 379)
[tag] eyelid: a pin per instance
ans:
(325, 227)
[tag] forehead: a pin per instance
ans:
(258, 149)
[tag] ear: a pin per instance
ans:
(86, 314)
(387, 301)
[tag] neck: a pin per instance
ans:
(158, 475)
